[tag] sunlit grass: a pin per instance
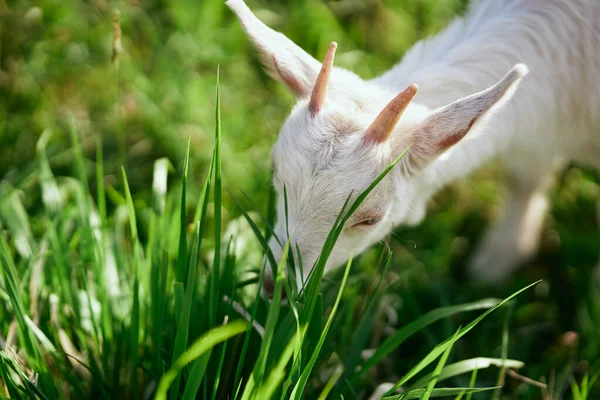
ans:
(133, 316)
(120, 276)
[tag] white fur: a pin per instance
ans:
(553, 116)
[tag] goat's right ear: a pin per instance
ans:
(283, 59)
(448, 125)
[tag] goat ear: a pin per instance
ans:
(448, 125)
(283, 59)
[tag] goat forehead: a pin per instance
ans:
(322, 146)
(322, 194)
(323, 166)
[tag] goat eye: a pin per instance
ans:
(367, 222)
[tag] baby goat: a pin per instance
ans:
(344, 130)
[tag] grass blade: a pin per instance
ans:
(10, 279)
(505, 336)
(199, 366)
(218, 374)
(407, 331)
(183, 325)
(197, 349)
(277, 373)
(238, 372)
(135, 311)
(257, 374)
(439, 392)
(330, 384)
(361, 333)
(300, 385)
(181, 272)
(438, 368)
(473, 364)
(439, 349)
(471, 384)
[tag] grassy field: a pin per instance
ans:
(135, 198)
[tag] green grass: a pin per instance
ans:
(129, 353)
(132, 228)
(124, 352)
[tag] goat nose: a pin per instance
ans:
(269, 287)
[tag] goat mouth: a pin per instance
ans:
(269, 290)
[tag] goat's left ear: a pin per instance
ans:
(448, 125)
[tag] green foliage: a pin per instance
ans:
(149, 348)
(583, 391)
(130, 263)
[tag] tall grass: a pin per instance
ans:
(114, 283)
(129, 303)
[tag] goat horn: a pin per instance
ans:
(318, 94)
(381, 129)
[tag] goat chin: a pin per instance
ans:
(469, 107)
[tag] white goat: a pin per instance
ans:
(337, 139)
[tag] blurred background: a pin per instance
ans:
(58, 72)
